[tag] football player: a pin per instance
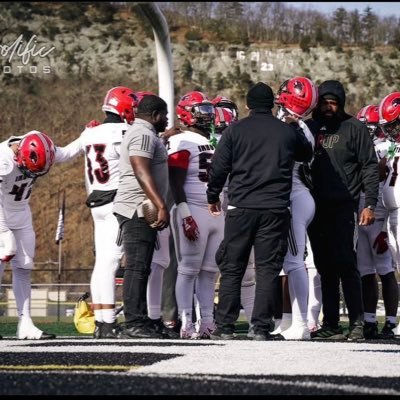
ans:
(389, 120)
(314, 291)
(100, 142)
(295, 99)
(22, 160)
(197, 234)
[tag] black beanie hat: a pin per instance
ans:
(260, 96)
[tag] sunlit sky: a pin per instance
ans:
(384, 9)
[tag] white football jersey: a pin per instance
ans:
(101, 146)
(15, 188)
(102, 149)
(200, 154)
(391, 184)
(381, 148)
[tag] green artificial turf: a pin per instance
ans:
(65, 326)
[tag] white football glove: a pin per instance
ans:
(8, 246)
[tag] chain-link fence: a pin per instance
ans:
(59, 298)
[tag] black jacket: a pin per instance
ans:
(258, 154)
(345, 161)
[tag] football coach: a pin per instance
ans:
(257, 153)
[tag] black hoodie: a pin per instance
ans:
(345, 161)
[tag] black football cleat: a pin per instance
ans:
(47, 336)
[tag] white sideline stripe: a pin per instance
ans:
(311, 384)
(236, 358)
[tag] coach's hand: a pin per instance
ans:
(215, 209)
(367, 217)
(380, 243)
(162, 219)
(190, 228)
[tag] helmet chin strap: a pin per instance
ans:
(282, 114)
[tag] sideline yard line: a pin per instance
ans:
(296, 383)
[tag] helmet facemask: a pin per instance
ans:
(392, 130)
(204, 116)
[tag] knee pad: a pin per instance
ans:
(209, 267)
(290, 266)
(23, 262)
(162, 263)
(188, 270)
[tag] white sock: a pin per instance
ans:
(392, 320)
(370, 317)
(21, 282)
(298, 290)
(184, 290)
(314, 298)
(108, 315)
(196, 305)
(205, 289)
(285, 323)
(277, 323)
(297, 331)
(247, 295)
(154, 291)
(98, 315)
(186, 317)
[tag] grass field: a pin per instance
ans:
(66, 327)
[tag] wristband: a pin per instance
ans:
(183, 210)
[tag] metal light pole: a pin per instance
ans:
(59, 238)
(164, 56)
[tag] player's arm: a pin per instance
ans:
(178, 164)
(142, 168)
(68, 152)
(8, 244)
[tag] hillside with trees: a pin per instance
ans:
(218, 47)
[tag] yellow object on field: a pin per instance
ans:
(83, 316)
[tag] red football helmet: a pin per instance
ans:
(196, 109)
(298, 96)
(224, 102)
(143, 93)
(389, 116)
(369, 115)
(35, 154)
(122, 101)
(223, 117)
